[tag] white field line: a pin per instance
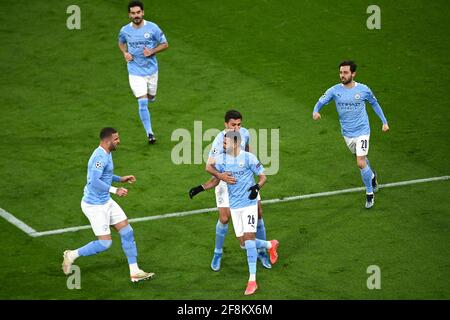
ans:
(33, 233)
(18, 223)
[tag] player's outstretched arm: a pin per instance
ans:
(323, 100)
(377, 108)
(316, 115)
(129, 179)
(102, 186)
(262, 180)
(211, 183)
(196, 190)
(254, 190)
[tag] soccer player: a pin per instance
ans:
(139, 42)
(242, 196)
(102, 211)
(233, 121)
(350, 97)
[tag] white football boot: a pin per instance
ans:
(67, 262)
(141, 275)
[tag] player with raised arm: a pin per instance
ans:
(350, 97)
(233, 122)
(102, 211)
(139, 42)
(242, 195)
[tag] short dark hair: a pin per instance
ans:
(135, 4)
(349, 63)
(232, 114)
(234, 135)
(107, 132)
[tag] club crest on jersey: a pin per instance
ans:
(241, 165)
(146, 35)
(357, 96)
(215, 151)
(98, 165)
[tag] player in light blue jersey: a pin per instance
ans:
(102, 211)
(233, 122)
(350, 97)
(242, 166)
(140, 41)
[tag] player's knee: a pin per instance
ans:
(249, 236)
(104, 244)
(224, 221)
(224, 215)
(361, 163)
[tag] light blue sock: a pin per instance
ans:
(221, 232)
(366, 175)
(250, 245)
(128, 243)
(261, 230)
(262, 244)
(94, 247)
(368, 164)
(144, 113)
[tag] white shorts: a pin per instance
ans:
(143, 85)
(244, 220)
(221, 191)
(101, 216)
(358, 145)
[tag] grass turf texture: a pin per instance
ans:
(271, 60)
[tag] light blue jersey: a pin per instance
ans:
(242, 168)
(149, 35)
(217, 145)
(351, 108)
(99, 177)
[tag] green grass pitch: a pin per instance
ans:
(271, 60)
